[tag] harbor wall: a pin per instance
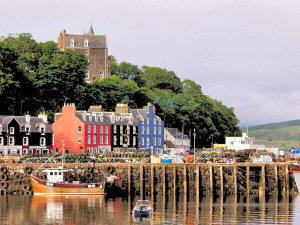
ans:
(196, 179)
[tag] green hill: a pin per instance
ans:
(283, 135)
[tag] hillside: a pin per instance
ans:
(283, 135)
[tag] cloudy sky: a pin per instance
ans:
(245, 53)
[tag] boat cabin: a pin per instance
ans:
(55, 175)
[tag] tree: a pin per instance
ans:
(155, 77)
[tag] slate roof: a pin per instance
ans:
(141, 114)
(95, 41)
(176, 133)
(34, 123)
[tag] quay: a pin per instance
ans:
(148, 179)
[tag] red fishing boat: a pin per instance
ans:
(296, 166)
(55, 185)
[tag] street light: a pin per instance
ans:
(194, 146)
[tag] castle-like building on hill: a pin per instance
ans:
(94, 47)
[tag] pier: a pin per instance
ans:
(174, 180)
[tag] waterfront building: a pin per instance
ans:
(78, 131)
(21, 135)
(94, 47)
(151, 130)
(175, 140)
(124, 132)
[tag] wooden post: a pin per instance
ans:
(221, 181)
(235, 181)
(276, 180)
(129, 180)
(164, 180)
(152, 182)
(184, 181)
(248, 180)
(287, 175)
(211, 180)
(197, 184)
(174, 181)
(262, 184)
(141, 182)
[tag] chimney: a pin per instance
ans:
(122, 108)
(150, 108)
(95, 108)
(69, 108)
(64, 40)
(43, 116)
(27, 117)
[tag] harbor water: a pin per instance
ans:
(17, 209)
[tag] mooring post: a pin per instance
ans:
(129, 180)
(164, 180)
(197, 183)
(221, 181)
(235, 180)
(174, 181)
(262, 183)
(152, 182)
(141, 182)
(184, 181)
(287, 175)
(248, 180)
(211, 180)
(276, 179)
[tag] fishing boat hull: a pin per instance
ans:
(41, 187)
(295, 167)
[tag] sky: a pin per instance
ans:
(245, 53)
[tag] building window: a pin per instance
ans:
(89, 128)
(79, 129)
(11, 130)
(89, 139)
(1, 140)
(134, 130)
(25, 141)
(101, 118)
(154, 130)
(148, 141)
(94, 139)
(115, 128)
(115, 140)
(159, 130)
(42, 130)
(101, 129)
(11, 141)
(101, 140)
(86, 43)
(159, 141)
(87, 75)
(88, 149)
(147, 120)
(128, 129)
(86, 52)
(106, 129)
(72, 43)
(94, 129)
(154, 141)
(27, 129)
(121, 129)
(154, 121)
(79, 140)
(106, 140)
(121, 140)
(143, 129)
(143, 141)
(134, 141)
(147, 130)
(0, 128)
(43, 141)
(101, 73)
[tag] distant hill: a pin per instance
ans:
(283, 134)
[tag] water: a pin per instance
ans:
(100, 210)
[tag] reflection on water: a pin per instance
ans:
(100, 210)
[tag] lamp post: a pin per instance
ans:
(194, 146)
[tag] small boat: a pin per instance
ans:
(295, 166)
(55, 184)
(142, 208)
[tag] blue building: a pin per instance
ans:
(150, 130)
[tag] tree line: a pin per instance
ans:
(38, 76)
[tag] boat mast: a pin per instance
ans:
(63, 153)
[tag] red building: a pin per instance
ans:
(81, 131)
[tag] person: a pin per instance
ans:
(92, 162)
